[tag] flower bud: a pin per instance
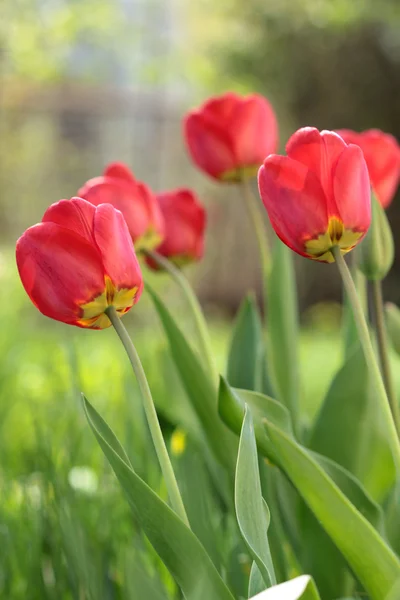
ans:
(376, 253)
(393, 325)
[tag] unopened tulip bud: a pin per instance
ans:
(376, 253)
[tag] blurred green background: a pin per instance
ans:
(86, 82)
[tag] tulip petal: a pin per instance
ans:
(352, 189)
(209, 145)
(59, 270)
(382, 155)
(319, 151)
(221, 108)
(115, 244)
(76, 214)
(120, 171)
(185, 220)
(256, 130)
(294, 199)
(124, 196)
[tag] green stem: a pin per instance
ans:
(369, 354)
(383, 353)
(257, 219)
(151, 414)
(191, 298)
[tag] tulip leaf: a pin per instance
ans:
(247, 366)
(394, 593)
(282, 321)
(300, 588)
(378, 568)
(232, 408)
(179, 549)
(250, 512)
(256, 581)
(199, 387)
(349, 431)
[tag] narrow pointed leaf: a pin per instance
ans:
(177, 546)
(247, 365)
(250, 512)
(199, 387)
(349, 431)
(256, 581)
(232, 407)
(377, 568)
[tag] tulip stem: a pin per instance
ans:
(365, 340)
(191, 298)
(257, 218)
(151, 415)
(383, 353)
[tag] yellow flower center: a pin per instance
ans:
(93, 312)
(336, 235)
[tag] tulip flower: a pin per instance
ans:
(185, 220)
(117, 186)
(382, 155)
(318, 196)
(229, 136)
(79, 261)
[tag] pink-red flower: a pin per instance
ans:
(78, 261)
(382, 155)
(117, 186)
(229, 136)
(318, 196)
(185, 221)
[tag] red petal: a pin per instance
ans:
(352, 189)
(294, 200)
(116, 248)
(221, 108)
(254, 130)
(155, 217)
(128, 197)
(120, 171)
(319, 152)
(210, 146)
(59, 270)
(185, 220)
(76, 215)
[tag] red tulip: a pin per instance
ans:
(185, 220)
(382, 155)
(229, 136)
(78, 261)
(318, 195)
(117, 186)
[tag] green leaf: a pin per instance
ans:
(199, 387)
(256, 581)
(177, 546)
(250, 512)
(393, 518)
(300, 588)
(247, 366)
(282, 321)
(377, 568)
(232, 408)
(394, 593)
(348, 428)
